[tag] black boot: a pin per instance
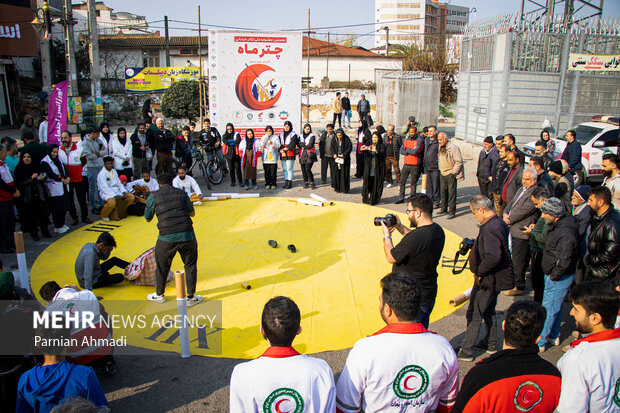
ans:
(312, 185)
(306, 185)
(290, 184)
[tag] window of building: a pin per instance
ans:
(188, 51)
(151, 58)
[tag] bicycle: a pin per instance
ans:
(215, 168)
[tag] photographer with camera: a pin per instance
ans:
(491, 265)
(419, 252)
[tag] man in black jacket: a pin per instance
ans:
(176, 234)
(162, 140)
(490, 262)
(563, 184)
(538, 164)
(431, 165)
(346, 110)
(363, 109)
(583, 215)
(488, 158)
(140, 150)
(603, 256)
(500, 173)
(393, 142)
(514, 178)
(211, 137)
(572, 155)
(509, 139)
(516, 376)
(326, 154)
(559, 263)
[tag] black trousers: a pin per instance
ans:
(520, 260)
(339, 117)
(433, 185)
(481, 308)
(327, 163)
(108, 279)
(79, 190)
(447, 184)
(538, 275)
(58, 217)
(414, 171)
(165, 252)
(364, 116)
(271, 173)
(7, 225)
(306, 171)
(485, 189)
(234, 167)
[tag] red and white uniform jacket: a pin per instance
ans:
(591, 374)
(282, 380)
(71, 160)
(401, 368)
(255, 148)
(7, 186)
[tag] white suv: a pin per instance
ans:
(596, 138)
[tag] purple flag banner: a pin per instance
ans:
(57, 113)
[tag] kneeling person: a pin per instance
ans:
(516, 378)
(402, 367)
(282, 378)
(142, 188)
(111, 189)
(188, 184)
(90, 271)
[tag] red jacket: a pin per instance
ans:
(7, 186)
(72, 161)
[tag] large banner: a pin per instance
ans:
(17, 35)
(254, 80)
(594, 62)
(157, 79)
(57, 113)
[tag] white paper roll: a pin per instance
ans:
(461, 298)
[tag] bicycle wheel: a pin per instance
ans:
(203, 171)
(215, 172)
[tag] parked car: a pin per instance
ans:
(596, 138)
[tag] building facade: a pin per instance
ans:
(423, 22)
(108, 21)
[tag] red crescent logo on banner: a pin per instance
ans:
(278, 406)
(251, 93)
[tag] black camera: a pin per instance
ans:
(464, 248)
(389, 220)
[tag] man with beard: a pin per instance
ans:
(612, 177)
(591, 367)
(603, 256)
(418, 253)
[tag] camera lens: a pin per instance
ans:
(377, 221)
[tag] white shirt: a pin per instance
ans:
(152, 184)
(591, 375)
(121, 153)
(402, 368)
(614, 186)
(189, 185)
(282, 380)
(43, 131)
(109, 185)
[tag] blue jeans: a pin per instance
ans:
(219, 155)
(93, 191)
(425, 313)
(287, 169)
(346, 118)
(555, 292)
(246, 182)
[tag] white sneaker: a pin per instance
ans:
(66, 227)
(194, 300)
(156, 298)
(197, 203)
(554, 341)
(388, 185)
(61, 230)
(106, 219)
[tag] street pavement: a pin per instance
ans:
(160, 382)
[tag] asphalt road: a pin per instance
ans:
(161, 382)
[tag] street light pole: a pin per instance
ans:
(50, 42)
(200, 69)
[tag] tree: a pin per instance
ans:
(181, 100)
(416, 59)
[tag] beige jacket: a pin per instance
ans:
(453, 153)
(337, 106)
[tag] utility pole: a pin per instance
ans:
(167, 41)
(199, 69)
(95, 64)
(70, 49)
(309, 32)
(327, 66)
(387, 40)
(50, 42)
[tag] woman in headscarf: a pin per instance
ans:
(374, 170)
(288, 144)
(28, 126)
(269, 145)
(307, 156)
(106, 138)
(230, 140)
(363, 138)
(57, 179)
(546, 138)
(380, 129)
(123, 151)
(341, 148)
(249, 149)
(32, 204)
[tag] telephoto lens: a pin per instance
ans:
(389, 219)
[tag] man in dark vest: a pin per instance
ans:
(176, 234)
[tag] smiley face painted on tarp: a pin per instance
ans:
(255, 93)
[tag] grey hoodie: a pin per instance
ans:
(94, 155)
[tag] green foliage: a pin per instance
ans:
(445, 112)
(416, 59)
(354, 84)
(181, 100)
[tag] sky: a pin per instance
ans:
(293, 14)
